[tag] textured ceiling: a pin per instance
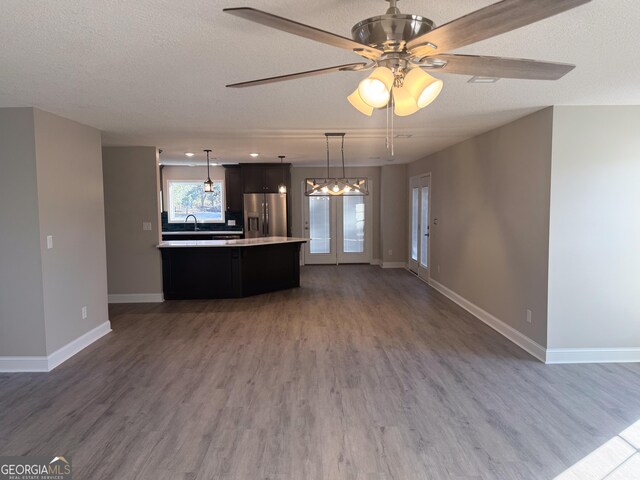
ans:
(152, 72)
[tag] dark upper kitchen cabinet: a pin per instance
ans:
(265, 178)
(274, 176)
(252, 178)
(233, 188)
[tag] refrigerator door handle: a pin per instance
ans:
(266, 221)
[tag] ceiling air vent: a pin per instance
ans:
(479, 79)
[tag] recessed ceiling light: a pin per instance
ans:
(254, 155)
(479, 79)
(189, 154)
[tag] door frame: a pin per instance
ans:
(429, 207)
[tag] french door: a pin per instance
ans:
(338, 228)
(419, 198)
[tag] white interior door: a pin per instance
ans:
(419, 208)
(339, 229)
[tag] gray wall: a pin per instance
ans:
(22, 330)
(71, 206)
(594, 259)
(393, 213)
(131, 192)
(491, 197)
(298, 174)
(52, 176)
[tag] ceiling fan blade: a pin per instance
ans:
(488, 22)
(302, 30)
(349, 67)
(503, 67)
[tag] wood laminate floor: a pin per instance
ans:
(361, 373)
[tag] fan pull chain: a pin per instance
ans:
(392, 129)
(386, 139)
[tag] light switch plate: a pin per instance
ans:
(146, 226)
(49, 242)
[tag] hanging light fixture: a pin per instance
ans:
(399, 87)
(375, 90)
(328, 186)
(282, 188)
(405, 89)
(208, 184)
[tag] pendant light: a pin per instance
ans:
(282, 188)
(328, 186)
(208, 184)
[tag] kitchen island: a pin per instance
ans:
(202, 269)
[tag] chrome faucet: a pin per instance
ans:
(195, 224)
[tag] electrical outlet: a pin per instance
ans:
(84, 313)
(146, 226)
(390, 252)
(231, 223)
(49, 242)
(528, 316)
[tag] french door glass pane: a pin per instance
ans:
(425, 227)
(414, 224)
(319, 225)
(353, 224)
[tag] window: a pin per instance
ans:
(187, 197)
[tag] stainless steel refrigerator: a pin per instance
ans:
(265, 215)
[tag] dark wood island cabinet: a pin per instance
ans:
(229, 268)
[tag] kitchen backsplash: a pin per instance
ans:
(204, 227)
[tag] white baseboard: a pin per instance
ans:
(394, 265)
(593, 355)
(375, 261)
(80, 343)
(524, 342)
(48, 363)
(136, 298)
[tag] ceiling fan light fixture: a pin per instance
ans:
(375, 90)
(404, 103)
(356, 100)
(423, 87)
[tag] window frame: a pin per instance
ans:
(201, 183)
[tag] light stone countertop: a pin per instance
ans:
(242, 242)
(203, 232)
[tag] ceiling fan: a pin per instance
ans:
(400, 47)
